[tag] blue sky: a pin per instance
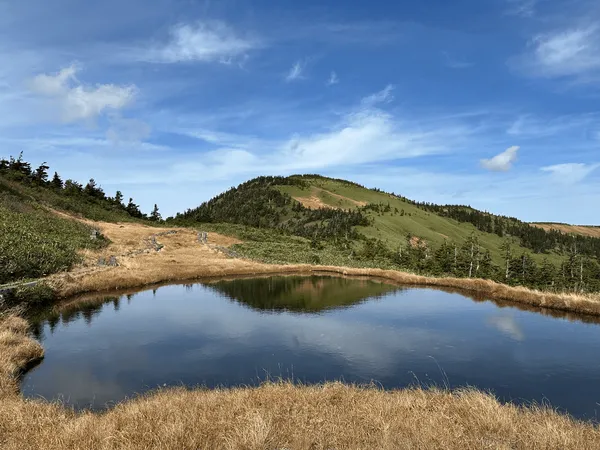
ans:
(493, 103)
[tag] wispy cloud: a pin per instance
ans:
(76, 101)
(212, 41)
(502, 162)
(386, 95)
(455, 63)
(363, 135)
(573, 53)
(522, 8)
(570, 173)
(333, 79)
(529, 125)
(296, 72)
(127, 130)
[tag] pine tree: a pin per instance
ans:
(93, 190)
(133, 210)
(546, 274)
(40, 176)
(119, 198)
(155, 215)
(56, 182)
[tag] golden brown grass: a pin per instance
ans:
(570, 229)
(273, 416)
(277, 416)
(17, 351)
(183, 258)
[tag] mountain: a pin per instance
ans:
(299, 219)
(368, 224)
(312, 205)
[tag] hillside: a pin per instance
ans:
(305, 219)
(38, 233)
(369, 227)
(582, 230)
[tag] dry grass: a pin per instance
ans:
(273, 416)
(17, 351)
(570, 229)
(183, 258)
(276, 416)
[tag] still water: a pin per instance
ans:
(311, 329)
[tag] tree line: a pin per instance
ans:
(578, 273)
(20, 171)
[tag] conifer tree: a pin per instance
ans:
(40, 176)
(155, 215)
(56, 182)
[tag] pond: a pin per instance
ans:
(100, 350)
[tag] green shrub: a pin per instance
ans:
(35, 242)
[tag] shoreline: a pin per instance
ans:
(277, 415)
(182, 258)
(115, 279)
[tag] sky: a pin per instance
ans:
(490, 103)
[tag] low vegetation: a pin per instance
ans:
(35, 242)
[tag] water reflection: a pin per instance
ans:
(240, 331)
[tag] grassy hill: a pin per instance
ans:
(404, 217)
(34, 241)
(300, 219)
(36, 237)
(319, 219)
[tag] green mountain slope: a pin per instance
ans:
(361, 226)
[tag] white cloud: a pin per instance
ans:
(204, 41)
(570, 173)
(454, 63)
(364, 134)
(573, 52)
(503, 161)
(333, 79)
(522, 8)
(54, 84)
(384, 96)
(79, 102)
(295, 72)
